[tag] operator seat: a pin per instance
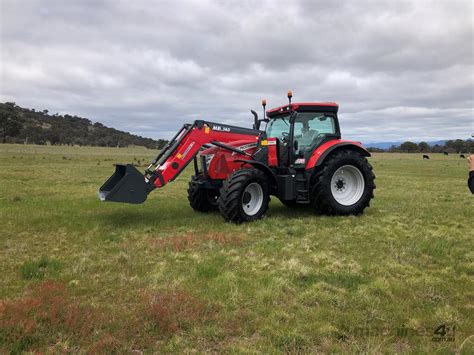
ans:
(307, 139)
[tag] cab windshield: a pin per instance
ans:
(278, 127)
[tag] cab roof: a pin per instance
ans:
(304, 107)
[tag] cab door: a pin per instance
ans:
(310, 130)
(280, 129)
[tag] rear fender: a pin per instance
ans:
(327, 149)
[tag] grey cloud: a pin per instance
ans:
(150, 66)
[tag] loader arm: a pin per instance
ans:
(128, 185)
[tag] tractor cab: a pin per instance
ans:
(299, 128)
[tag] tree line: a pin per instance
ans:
(451, 146)
(28, 126)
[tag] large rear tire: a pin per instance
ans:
(244, 196)
(200, 198)
(344, 185)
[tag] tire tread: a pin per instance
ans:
(197, 196)
(229, 201)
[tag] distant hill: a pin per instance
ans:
(23, 125)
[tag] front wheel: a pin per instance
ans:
(344, 184)
(244, 196)
(200, 198)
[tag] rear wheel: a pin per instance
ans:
(244, 196)
(200, 198)
(344, 185)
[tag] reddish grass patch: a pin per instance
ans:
(169, 312)
(184, 242)
(47, 317)
(45, 311)
(107, 344)
(242, 322)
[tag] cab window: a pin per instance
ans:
(310, 126)
(278, 128)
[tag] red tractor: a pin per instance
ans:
(299, 158)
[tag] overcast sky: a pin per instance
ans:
(399, 70)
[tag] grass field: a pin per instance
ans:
(82, 275)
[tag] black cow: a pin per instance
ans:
(462, 156)
(425, 156)
(445, 153)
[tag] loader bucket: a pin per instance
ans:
(127, 185)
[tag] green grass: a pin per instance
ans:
(161, 277)
(37, 269)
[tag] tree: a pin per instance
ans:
(409, 147)
(437, 149)
(375, 150)
(53, 137)
(394, 149)
(9, 125)
(423, 147)
(459, 146)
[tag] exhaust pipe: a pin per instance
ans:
(127, 185)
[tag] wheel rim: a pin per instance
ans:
(252, 199)
(347, 185)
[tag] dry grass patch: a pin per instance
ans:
(190, 241)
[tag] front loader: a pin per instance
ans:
(299, 157)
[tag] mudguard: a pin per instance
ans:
(264, 168)
(320, 153)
